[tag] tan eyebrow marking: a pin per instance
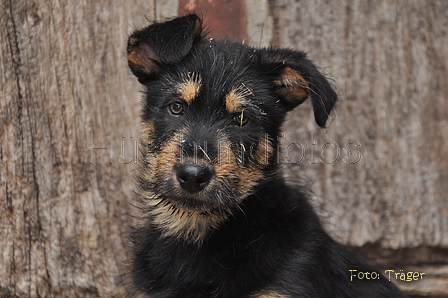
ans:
(190, 87)
(235, 99)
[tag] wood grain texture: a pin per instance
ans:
(389, 60)
(65, 89)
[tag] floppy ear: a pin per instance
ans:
(161, 44)
(296, 78)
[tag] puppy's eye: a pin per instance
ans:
(241, 119)
(176, 108)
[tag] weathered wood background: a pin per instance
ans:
(390, 62)
(69, 115)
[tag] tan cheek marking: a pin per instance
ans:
(169, 155)
(146, 137)
(264, 151)
(247, 176)
(254, 172)
(227, 168)
(156, 164)
(146, 132)
(189, 89)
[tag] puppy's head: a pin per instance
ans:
(210, 121)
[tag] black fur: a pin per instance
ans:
(256, 237)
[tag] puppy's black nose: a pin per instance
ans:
(193, 177)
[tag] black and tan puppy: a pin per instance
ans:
(220, 220)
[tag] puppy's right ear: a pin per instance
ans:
(160, 44)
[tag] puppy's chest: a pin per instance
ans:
(220, 268)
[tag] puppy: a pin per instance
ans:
(220, 220)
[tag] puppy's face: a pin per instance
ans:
(210, 121)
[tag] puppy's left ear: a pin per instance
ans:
(153, 48)
(296, 78)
